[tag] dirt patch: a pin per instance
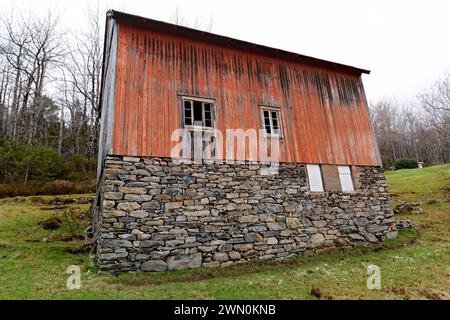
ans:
(395, 289)
(434, 295)
(52, 223)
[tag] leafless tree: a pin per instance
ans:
(436, 103)
(420, 130)
(30, 46)
(179, 18)
(84, 68)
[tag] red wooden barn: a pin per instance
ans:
(159, 77)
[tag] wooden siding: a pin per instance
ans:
(324, 112)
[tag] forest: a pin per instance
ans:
(50, 79)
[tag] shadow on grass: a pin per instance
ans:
(406, 238)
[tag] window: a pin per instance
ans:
(272, 121)
(345, 178)
(198, 118)
(314, 177)
(329, 178)
(198, 113)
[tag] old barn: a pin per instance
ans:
(154, 212)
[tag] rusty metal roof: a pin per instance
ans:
(212, 38)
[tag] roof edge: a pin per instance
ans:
(213, 38)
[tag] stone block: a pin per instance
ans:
(154, 266)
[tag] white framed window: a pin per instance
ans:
(198, 113)
(314, 177)
(271, 118)
(345, 177)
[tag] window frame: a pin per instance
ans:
(203, 101)
(271, 109)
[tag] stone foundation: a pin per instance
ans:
(154, 215)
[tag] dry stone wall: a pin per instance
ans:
(155, 215)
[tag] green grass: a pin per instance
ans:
(413, 266)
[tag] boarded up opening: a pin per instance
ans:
(331, 181)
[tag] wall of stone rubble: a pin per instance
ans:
(155, 215)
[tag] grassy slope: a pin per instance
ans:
(415, 265)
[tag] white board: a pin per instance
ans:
(345, 177)
(314, 177)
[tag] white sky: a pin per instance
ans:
(406, 44)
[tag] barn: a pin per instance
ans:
(216, 151)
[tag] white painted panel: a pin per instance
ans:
(314, 177)
(344, 169)
(346, 179)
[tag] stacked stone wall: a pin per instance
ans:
(157, 215)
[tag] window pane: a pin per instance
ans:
(198, 117)
(267, 125)
(275, 123)
(274, 115)
(207, 115)
(187, 113)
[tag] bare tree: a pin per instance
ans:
(436, 103)
(420, 130)
(46, 49)
(30, 46)
(179, 18)
(15, 38)
(85, 69)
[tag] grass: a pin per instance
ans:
(413, 266)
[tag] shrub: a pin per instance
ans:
(42, 163)
(405, 163)
(79, 168)
(35, 188)
(21, 163)
(61, 187)
(36, 170)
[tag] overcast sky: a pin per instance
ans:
(405, 44)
